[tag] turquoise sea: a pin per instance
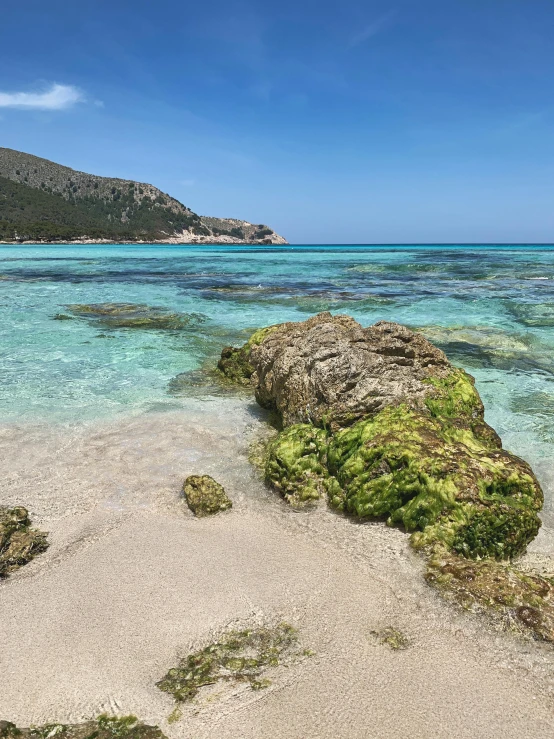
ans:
(491, 308)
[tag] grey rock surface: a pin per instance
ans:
(329, 370)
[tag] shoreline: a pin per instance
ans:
(100, 435)
(191, 242)
(117, 596)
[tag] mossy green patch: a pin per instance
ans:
(19, 542)
(456, 397)
(392, 638)
(522, 601)
(234, 364)
(103, 727)
(295, 464)
(205, 496)
(501, 530)
(238, 656)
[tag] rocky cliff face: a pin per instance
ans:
(42, 200)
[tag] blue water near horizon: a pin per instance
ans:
(489, 307)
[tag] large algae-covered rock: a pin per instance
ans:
(19, 543)
(205, 496)
(380, 422)
(439, 479)
(104, 727)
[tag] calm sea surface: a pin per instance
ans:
(490, 308)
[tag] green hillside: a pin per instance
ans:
(44, 201)
(26, 213)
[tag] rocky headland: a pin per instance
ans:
(45, 202)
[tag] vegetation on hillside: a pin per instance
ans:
(27, 213)
(44, 201)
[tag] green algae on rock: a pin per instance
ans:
(19, 543)
(295, 464)
(205, 496)
(381, 422)
(131, 315)
(441, 481)
(238, 656)
(103, 727)
(234, 363)
(523, 601)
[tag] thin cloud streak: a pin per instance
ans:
(56, 97)
(372, 29)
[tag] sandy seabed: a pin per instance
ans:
(132, 581)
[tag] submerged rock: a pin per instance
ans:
(131, 315)
(523, 601)
(379, 422)
(492, 339)
(19, 543)
(205, 496)
(534, 315)
(480, 346)
(104, 727)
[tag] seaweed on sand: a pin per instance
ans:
(237, 656)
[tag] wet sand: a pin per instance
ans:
(132, 581)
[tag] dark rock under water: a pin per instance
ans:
(131, 315)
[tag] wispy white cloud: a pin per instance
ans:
(56, 97)
(372, 29)
(187, 183)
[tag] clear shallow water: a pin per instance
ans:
(490, 308)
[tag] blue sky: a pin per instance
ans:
(333, 122)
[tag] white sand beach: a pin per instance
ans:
(132, 581)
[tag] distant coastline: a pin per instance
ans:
(282, 242)
(46, 203)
